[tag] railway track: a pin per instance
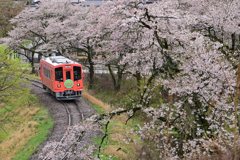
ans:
(35, 82)
(74, 116)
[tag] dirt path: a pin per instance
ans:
(59, 115)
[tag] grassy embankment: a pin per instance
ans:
(24, 124)
(24, 127)
(114, 145)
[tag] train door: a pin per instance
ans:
(68, 75)
(68, 79)
(52, 80)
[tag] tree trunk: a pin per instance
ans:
(91, 75)
(32, 63)
(116, 83)
(233, 42)
(91, 68)
(112, 75)
(119, 80)
(91, 65)
(139, 78)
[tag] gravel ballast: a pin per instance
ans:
(59, 115)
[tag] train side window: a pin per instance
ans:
(77, 73)
(68, 75)
(59, 74)
(46, 72)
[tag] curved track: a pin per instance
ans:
(74, 116)
(65, 114)
(36, 83)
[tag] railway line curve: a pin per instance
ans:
(68, 116)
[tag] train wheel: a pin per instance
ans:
(44, 87)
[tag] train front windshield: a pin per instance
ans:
(59, 74)
(77, 73)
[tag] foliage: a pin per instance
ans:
(15, 101)
(188, 65)
(177, 46)
(11, 69)
(8, 10)
(117, 145)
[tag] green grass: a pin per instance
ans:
(104, 145)
(99, 109)
(116, 127)
(45, 122)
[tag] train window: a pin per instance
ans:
(59, 74)
(46, 72)
(68, 75)
(77, 73)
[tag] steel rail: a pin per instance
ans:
(78, 108)
(69, 115)
(69, 124)
(33, 82)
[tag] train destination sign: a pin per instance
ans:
(68, 83)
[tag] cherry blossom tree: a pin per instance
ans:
(8, 10)
(219, 21)
(32, 27)
(178, 45)
(167, 26)
(115, 41)
(74, 32)
(71, 31)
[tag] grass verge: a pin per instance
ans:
(95, 103)
(42, 129)
(120, 143)
(26, 127)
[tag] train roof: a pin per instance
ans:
(57, 60)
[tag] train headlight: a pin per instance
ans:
(78, 84)
(59, 86)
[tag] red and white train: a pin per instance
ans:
(62, 77)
